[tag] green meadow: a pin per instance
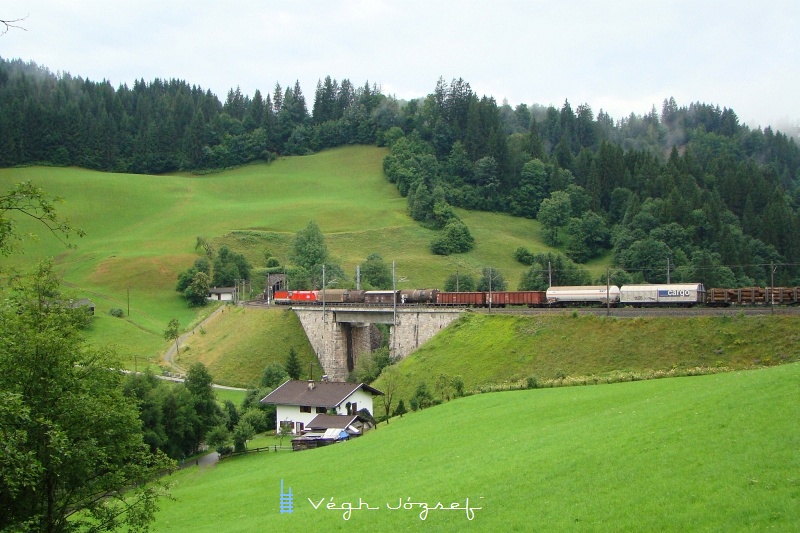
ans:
(141, 232)
(237, 344)
(704, 453)
(496, 351)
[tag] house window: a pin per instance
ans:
(305, 408)
(321, 410)
(299, 427)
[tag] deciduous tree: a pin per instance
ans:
(173, 332)
(309, 249)
(492, 279)
(376, 272)
(31, 201)
(73, 453)
(554, 213)
(391, 380)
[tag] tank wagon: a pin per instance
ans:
(418, 296)
(584, 295)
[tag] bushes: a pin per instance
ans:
(116, 312)
(455, 239)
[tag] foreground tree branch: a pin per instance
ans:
(74, 456)
(32, 201)
(9, 24)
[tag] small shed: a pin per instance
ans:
(84, 303)
(223, 294)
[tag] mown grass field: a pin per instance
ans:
(141, 232)
(706, 453)
(490, 350)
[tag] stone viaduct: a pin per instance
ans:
(340, 335)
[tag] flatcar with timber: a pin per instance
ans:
(717, 297)
(669, 295)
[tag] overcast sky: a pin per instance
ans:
(619, 56)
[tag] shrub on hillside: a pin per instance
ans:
(524, 256)
(455, 239)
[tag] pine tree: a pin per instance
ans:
(293, 367)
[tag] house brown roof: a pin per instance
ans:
(315, 393)
(331, 421)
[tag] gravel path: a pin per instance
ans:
(169, 356)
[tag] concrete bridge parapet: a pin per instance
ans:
(341, 335)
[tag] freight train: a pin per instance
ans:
(655, 295)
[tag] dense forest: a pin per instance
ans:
(689, 187)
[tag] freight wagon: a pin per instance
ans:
(583, 295)
(463, 299)
(529, 298)
(675, 294)
(753, 296)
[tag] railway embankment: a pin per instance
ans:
(483, 351)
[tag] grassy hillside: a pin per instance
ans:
(141, 231)
(488, 350)
(237, 344)
(707, 453)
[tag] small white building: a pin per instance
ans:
(297, 403)
(223, 294)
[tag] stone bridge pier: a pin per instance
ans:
(341, 335)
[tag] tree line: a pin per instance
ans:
(688, 183)
(168, 125)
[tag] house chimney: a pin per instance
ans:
(325, 377)
(310, 384)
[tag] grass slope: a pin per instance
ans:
(496, 349)
(240, 342)
(141, 231)
(707, 453)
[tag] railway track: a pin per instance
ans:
(632, 312)
(619, 312)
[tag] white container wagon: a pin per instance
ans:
(589, 295)
(674, 294)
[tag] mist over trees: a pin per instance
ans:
(689, 184)
(718, 194)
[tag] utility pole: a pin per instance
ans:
(667, 270)
(490, 289)
(608, 292)
(772, 288)
(358, 277)
(394, 310)
(549, 274)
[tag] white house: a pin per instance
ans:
(299, 402)
(224, 294)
